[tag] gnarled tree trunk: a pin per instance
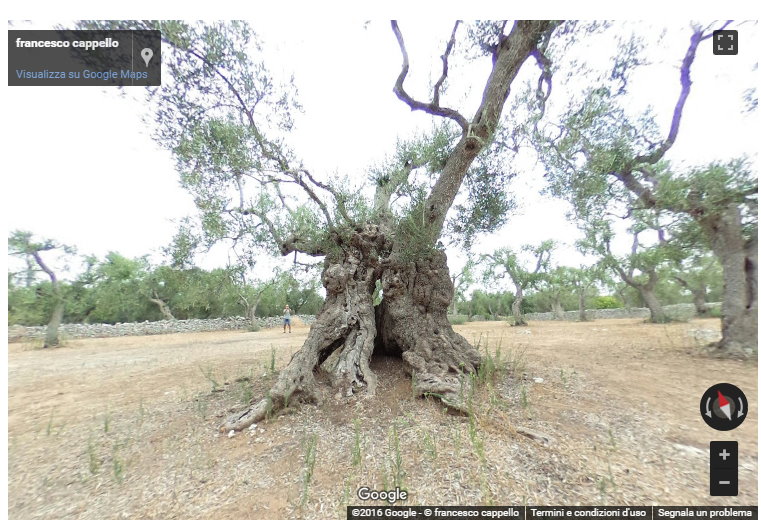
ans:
(557, 309)
(699, 293)
(699, 300)
(583, 306)
(657, 315)
(517, 304)
(51, 332)
(342, 337)
(646, 291)
(739, 260)
(411, 322)
(164, 307)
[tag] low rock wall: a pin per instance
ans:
(679, 312)
(74, 331)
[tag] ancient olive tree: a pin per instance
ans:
(583, 280)
(722, 200)
(597, 151)
(157, 286)
(461, 281)
(506, 262)
(699, 275)
(21, 244)
(248, 291)
(642, 266)
(226, 121)
(578, 281)
(555, 287)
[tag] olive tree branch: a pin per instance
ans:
(433, 107)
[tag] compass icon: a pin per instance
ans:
(723, 407)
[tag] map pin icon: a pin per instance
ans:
(147, 54)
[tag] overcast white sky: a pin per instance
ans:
(81, 166)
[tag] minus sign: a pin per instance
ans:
(724, 482)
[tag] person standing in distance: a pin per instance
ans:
(287, 318)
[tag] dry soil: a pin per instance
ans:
(603, 412)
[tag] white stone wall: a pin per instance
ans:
(680, 312)
(73, 331)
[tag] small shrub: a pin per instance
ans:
(524, 397)
(208, 373)
(245, 392)
(457, 319)
(606, 302)
(476, 441)
(202, 407)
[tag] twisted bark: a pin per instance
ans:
(411, 322)
(342, 339)
(738, 255)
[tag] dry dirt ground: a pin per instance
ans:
(126, 427)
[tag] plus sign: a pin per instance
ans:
(724, 455)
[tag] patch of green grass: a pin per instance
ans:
(118, 467)
(457, 439)
(310, 456)
(524, 397)
(564, 378)
(356, 449)
(429, 445)
(269, 366)
(515, 362)
(345, 498)
(202, 407)
(476, 441)
(612, 440)
(49, 428)
(106, 422)
(93, 460)
(605, 484)
(208, 373)
(491, 365)
(246, 393)
(396, 458)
